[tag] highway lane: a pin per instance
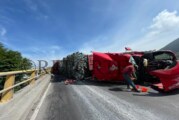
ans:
(106, 101)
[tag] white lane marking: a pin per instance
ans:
(40, 104)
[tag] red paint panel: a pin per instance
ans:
(169, 78)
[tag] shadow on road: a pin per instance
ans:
(100, 83)
(57, 78)
(115, 86)
(116, 89)
(159, 94)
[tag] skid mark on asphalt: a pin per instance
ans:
(106, 106)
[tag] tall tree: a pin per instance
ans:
(10, 61)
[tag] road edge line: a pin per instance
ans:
(36, 111)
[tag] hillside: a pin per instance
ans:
(174, 46)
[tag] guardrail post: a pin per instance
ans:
(32, 76)
(10, 79)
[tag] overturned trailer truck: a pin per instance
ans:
(158, 68)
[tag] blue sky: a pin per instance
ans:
(52, 29)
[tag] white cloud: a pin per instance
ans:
(3, 31)
(31, 5)
(3, 37)
(35, 8)
(6, 20)
(96, 44)
(55, 47)
(163, 30)
(47, 53)
(165, 21)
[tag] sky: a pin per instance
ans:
(52, 29)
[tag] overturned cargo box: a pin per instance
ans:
(74, 66)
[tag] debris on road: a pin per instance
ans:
(69, 81)
(142, 88)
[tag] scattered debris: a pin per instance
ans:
(69, 81)
(142, 88)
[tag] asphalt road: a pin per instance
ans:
(106, 101)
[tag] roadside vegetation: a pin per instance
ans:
(12, 61)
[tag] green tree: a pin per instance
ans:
(11, 61)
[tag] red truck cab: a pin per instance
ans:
(164, 67)
(162, 70)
